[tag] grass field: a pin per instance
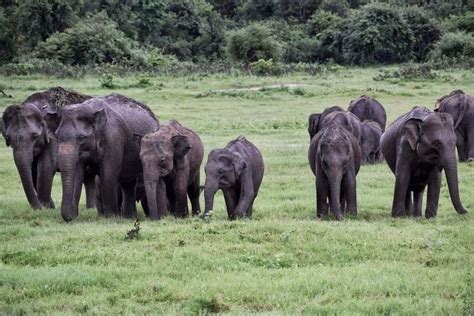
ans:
(284, 260)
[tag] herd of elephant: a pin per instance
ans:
(116, 147)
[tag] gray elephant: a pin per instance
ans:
(461, 108)
(367, 108)
(334, 157)
(34, 145)
(417, 147)
(238, 170)
(370, 142)
(171, 158)
(99, 134)
(315, 119)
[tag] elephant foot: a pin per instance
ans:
(339, 217)
(49, 204)
(470, 159)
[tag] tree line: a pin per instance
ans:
(144, 33)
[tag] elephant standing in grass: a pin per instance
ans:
(99, 134)
(367, 108)
(334, 157)
(315, 120)
(370, 142)
(417, 147)
(461, 108)
(238, 170)
(171, 158)
(31, 135)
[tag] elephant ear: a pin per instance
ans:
(313, 124)
(181, 145)
(99, 119)
(412, 131)
(10, 113)
(239, 164)
(51, 118)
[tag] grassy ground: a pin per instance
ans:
(284, 260)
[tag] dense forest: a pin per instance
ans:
(153, 33)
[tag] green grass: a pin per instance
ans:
(284, 260)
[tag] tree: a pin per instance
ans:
(252, 43)
(377, 34)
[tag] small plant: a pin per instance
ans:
(134, 233)
(107, 81)
(143, 81)
(262, 67)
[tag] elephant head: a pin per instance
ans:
(457, 103)
(26, 132)
(223, 169)
(315, 120)
(431, 137)
(160, 153)
(77, 134)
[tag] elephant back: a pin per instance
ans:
(54, 99)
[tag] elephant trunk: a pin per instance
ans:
(450, 169)
(150, 189)
(210, 189)
(23, 161)
(72, 175)
(335, 195)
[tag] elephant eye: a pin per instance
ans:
(34, 136)
(81, 138)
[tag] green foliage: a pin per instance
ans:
(425, 31)
(456, 47)
(338, 7)
(134, 233)
(93, 40)
(262, 67)
(107, 81)
(464, 22)
(409, 72)
(377, 34)
(7, 38)
(252, 43)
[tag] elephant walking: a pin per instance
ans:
(238, 170)
(334, 157)
(417, 147)
(35, 149)
(367, 108)
(461, 108)
(171, 158)
(99, 134)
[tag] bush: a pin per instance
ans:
(94, 40)
(463, 22)
(456, 46)
(252, 43)
(262, 67)
(377, 34)
(425, 31)
(29, 66)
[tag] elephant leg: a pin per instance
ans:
(418, 201)
(349, 184)
(401, 195)
(180, 187)
(322, 194)
(98, 196)
(129, 208)
(231, 198)
(108, 191)
(193, 193)
(46, 170)
(144, 203)
(89, 186)
(342, 200)
(470, 140)
(408, 204)
(461, 146)
(171, 197)
(434, 187)
(34, 173)
(250, 209)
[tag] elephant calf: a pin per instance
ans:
(370, 141)
(171, 158)
(238, 170)
(334, 157)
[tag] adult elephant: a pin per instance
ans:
(171, 158)
(461, 108)
(370, 142)
(100, 134)
(367, 108)
(346, 120)
(417, 147)
(34, 145)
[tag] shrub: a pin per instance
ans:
(93, 40)
(377, 34)
(262, 66)
(252, 43)
(456, 46)
(463, 22)
(107, 81)
(425, 31)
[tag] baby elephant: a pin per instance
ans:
(171, 158)
(334, 157)
(370, 141)
(237, 169)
